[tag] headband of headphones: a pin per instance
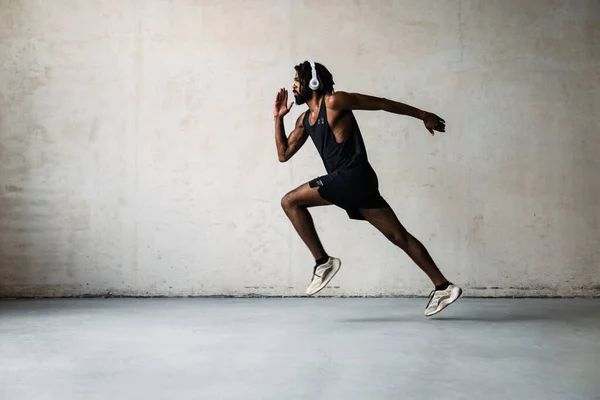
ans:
(314, 81)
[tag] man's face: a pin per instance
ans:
(299, 92)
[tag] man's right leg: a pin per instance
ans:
(445, 293)
(386, 221)
(296, 204)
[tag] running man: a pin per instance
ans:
(350, 183)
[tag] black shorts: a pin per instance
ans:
(351, 190)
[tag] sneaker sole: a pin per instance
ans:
(337, 264)
(456, 294)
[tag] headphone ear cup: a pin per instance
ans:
(314, 84)
(314, 81)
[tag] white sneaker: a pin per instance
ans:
(322, 274)
(440, 299)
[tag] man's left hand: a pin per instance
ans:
(434, 123)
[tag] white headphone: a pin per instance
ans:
(314, 82)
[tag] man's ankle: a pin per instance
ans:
(322, 260)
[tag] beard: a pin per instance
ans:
(300, 98)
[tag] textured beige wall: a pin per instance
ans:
(137, 151)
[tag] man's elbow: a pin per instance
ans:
(384, 104)
(283, 158)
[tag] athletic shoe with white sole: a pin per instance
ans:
(440, 299)
(322, 274)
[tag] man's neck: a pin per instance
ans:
(314, 103)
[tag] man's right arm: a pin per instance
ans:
(288, 146)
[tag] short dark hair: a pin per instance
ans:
(323, 74)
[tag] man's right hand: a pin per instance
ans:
(281, 108)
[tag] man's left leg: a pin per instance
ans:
(386, 221)
(296, 204)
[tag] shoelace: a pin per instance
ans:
(431, 297)
(315, 272)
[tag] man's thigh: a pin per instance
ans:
(385, 220)
(305, 196)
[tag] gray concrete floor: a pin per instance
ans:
(306, 348)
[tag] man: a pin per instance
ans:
(350, 183)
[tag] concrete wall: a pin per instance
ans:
(137, 152)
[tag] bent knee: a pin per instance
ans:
(288, 201)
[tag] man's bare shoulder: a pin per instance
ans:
(335, 100)
(300, 120)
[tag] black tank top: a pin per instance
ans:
(349, 154)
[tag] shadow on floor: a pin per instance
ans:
(501, 311)
(473, 318)
(400, 310)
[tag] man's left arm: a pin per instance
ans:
(340, 101)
